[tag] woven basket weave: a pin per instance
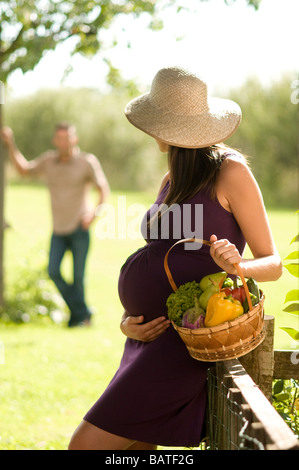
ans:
(228, 340)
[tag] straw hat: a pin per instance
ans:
(178, 111)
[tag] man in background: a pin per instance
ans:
(69, 174)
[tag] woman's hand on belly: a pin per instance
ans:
(134, 328)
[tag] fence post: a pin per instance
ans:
(259, 363)
(234, 400)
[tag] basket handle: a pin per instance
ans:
(204, 242)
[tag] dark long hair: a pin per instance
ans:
(192, 170)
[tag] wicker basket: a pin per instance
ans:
(228, 340)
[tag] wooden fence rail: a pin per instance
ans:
(240, 414)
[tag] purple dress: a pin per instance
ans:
(158, 394)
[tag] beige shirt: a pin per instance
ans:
(68, 183)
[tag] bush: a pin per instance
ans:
(286, 402)
(268, 134)
(32, 298)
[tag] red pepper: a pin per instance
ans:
(238, 293)
(227, 290)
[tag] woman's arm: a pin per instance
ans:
(134, 328)
(239, 192)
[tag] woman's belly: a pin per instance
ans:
(143, 285)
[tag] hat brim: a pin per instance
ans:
(193, 131)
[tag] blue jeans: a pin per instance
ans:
(73, 294)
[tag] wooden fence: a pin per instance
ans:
(240, 415)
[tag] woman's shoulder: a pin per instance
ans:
(232, 155)
(235, 177)
(233, 163)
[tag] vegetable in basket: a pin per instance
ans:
(212, 279)
(238, 292)
(228, 283)
(254, 293)
(210, 285)
(182, 300)
(207, 294)
(194, 317)
(214, 300)
(221, 309)
(190, 300)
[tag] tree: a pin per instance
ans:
(268, 136)
(28, 28)
(33, 26)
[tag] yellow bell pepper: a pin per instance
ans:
(221, 308)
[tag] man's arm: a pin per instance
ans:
(103, 189)
(18, 160)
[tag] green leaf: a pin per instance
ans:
(292, 308)
(295, 383)
(293, 255)
(292, 295)
(295, 239)
(282, 396)
(278, 387)
(285, 416)
(291, 332)
(293, 268)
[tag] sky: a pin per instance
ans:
(222, 44)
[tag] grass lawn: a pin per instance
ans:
(49, 375)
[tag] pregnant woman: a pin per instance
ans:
(158, 394)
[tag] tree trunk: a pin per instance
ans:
(259, 363)
(2, 180)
